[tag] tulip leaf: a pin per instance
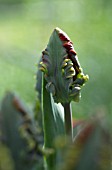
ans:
(53, 125)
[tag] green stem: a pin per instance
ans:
(68, 119)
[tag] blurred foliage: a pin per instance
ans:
(91, 148)
(21, 136)
(5, 158)
(7, 2)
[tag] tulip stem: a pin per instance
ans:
(68, 119)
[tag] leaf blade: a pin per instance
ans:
(53, 124)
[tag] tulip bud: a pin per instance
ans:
(62, 69)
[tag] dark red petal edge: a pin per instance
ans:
(68, 45)
(63, 37)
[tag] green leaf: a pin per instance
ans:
(53, 123)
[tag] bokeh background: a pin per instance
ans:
(25, 28)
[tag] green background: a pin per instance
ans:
(25, 28)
